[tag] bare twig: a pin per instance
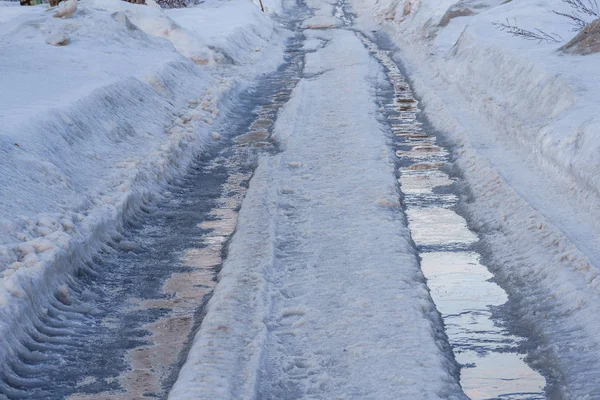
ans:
(537, 34)
(586, 7)
(577, 22)
(580, 14)
(581, 9)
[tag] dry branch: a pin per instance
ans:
(537, 34)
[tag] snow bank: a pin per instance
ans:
(532, 96)
(11, 9)
(523, 120)
(241, 40)
(90, 130)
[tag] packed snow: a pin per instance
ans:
(98, 109)
(321, 295)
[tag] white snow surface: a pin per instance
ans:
(321, 295)
(90, 130)
(523, 120)
(323, 14)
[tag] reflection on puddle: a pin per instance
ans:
(415, 183)
(151, 363)
(463, 294)
(492, 367)
(252, 136)
(438, 226)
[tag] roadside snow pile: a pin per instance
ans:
(523, 119)
(96, 112)
(531, 94)
(239, 40)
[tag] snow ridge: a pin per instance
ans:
(117, 113)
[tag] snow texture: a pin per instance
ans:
(321, 295)
(523, 120)
(324, 14)
(90, 129)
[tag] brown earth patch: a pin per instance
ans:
(586, 42)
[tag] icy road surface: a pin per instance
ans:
(322, 294)
(489, 354)
(322, 228)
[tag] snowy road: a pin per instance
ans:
(322, 294)
(120, 327)
(312, 250)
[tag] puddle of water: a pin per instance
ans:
(463, 294)
(438, 226)
(492, 366)
(252, 136)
